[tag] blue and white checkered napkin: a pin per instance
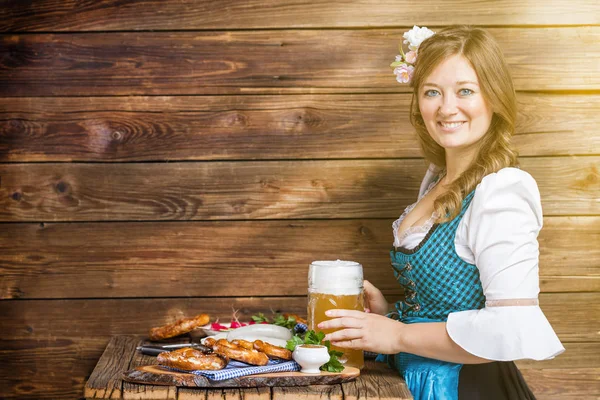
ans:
(235, 369)
(300, 328)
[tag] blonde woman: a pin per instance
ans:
(466, 253)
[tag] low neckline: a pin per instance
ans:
(429, 223)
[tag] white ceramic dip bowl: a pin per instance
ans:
(310, 357)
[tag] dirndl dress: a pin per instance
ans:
(438, 282)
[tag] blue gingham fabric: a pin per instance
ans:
(236, 369)
(300, 328)
(435, 279)
(436, 282)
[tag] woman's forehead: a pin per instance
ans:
(454, 70)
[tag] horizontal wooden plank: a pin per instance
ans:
(569, 313)
(49, 368)
(103, 318)
(576, 355)
(68, 15)
(235, 62)
(563, 384)
(123, 259)
(257, 190)
(262, 127)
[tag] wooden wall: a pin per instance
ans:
(160, 159)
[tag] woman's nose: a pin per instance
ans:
(448, 106)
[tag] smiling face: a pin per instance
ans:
(453, 108)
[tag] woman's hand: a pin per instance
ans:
(374, 299)
(361, 330)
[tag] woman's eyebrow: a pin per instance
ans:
(458, 83)
(471, 82)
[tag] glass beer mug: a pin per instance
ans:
(335, 284)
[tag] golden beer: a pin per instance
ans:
(318, 303)
(335, 284)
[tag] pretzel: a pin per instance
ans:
(272, 351)
(179, 327)
(189, 359)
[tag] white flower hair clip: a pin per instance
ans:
(404, 64)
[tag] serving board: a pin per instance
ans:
(157, 375)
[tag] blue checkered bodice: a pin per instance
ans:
(435, 279)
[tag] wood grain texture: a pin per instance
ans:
(257, 190)
(105, 381)
(555, 384)
(574, 316)
(224, 394)
(262, 127)
(378, 384)
(29, 366)
(195, 394)
(139, 391)
(47, 367)
(316, 392)
(99, 260)
(104, 318)
(376, 375)
(236, 62)
(576, 356)
(157, 375)
(69, 15)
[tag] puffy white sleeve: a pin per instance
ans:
(501, 228)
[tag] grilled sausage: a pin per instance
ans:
(235, 352)
(273, 351)
(243, 343)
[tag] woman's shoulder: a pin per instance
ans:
(506, 180)
(510, 192)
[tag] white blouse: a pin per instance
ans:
(498, 233)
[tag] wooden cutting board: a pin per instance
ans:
(156, 375)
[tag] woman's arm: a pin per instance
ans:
(431, 340)
(379, 334)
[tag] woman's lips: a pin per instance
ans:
(450, 126)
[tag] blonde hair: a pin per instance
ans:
(495, 150)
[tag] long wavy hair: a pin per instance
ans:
(495, 150)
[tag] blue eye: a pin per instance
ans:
(465, 92)
(431, 93)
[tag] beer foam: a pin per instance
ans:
(335, 277)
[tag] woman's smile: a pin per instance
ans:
(450, 126)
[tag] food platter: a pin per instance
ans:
(266, 350)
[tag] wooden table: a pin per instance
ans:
(377, 381)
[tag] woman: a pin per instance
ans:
(466, 252)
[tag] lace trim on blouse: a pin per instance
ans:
(415, 229)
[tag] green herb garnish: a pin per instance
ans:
(289, 322)
(312, 337)
(260, 318)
